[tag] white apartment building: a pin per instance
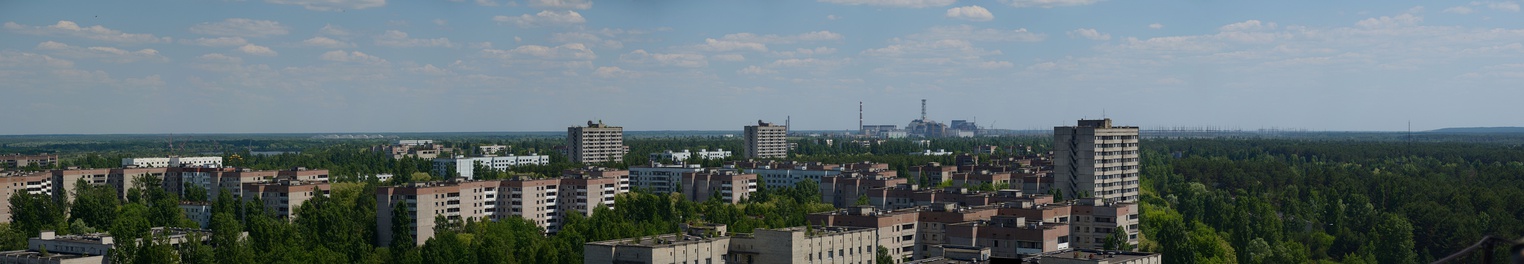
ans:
(595, 143)
(466, 167)
(685, 155)
(939, 152)
(169, 162)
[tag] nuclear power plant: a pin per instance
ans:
(921, 127)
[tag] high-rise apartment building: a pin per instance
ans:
(595, 143)
(766, 140)
(1096, 160)
(541, 201)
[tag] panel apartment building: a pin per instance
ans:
(766, 141)
(466, 167)
(1096, 159)
(595, 143)
(541, 201)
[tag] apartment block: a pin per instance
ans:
(32, 183)
(97, 244)
(975, 179)
(1096, 159)
(895, 230)
(766, 141)
(282, 198)
(706, 244)
(843, 190)
(583, 190)
(201, 212)
(172, 162)
(1094, 221)
(1010, 237)
(595, 143)
(730, 186)
(456, 201)
(22, 161)
(811, 244)
(932, 224)
(415, 148)
(530, 199)
(660, 178)
(933, 173)
(466, 167)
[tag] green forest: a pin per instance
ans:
(1256, 200)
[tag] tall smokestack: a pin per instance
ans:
(860, 118)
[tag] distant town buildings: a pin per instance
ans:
(1096, 159)
(22, 161)
(939, 152)
(596, 143)
(726, 185)
(766, 141)
(493, 150)
(416, 148)
(702, 244)
(684, 155)
(172, 162)
(466, 167)
(51, 247)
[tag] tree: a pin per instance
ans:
(862, 199)
(227, 239)
(94, 204)
(1394, 242)
(1117, 240)
(882, 257)
(32, 213)
(1176, 243)
(403, 248)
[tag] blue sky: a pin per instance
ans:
(542, 65)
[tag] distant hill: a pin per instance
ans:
(1490, 130)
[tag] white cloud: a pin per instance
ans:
(562, 4)
(970, 33)
(335, 31)
(893, 3)
(216, 42)
(219, 57)
(241, 27)
(106, 54)
(355, 56)
(1391, 21)
(1459, 10)
(1089, 33)
(96, 32)
(729, 57)
(1248, 25)
(1048, 3)
(570, 51)
(755, 70)
(394, 38)
(731, 45)
(586, 38)
(832, 17)
(1503, 6)
(1155, 26)
(325, 42)
(665, 59)
(784, 39)
(544, 18)
(970, 13)
(257, 50)
(613, 72)
(331, 5)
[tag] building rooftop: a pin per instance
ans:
(37, 255)
(1099, 256)
(666, 240)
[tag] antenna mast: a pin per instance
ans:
(923, 109)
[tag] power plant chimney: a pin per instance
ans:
(860, 118)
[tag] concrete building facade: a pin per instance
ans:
(728, 185)
(1096, 159)
(172, 162)
(811, 244)
(680, 156)
(284, 197)
(660, 178)
(895, 230)
(22, 161)
(766, 141)
(695, 246)
(595, 143)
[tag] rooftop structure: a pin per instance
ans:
(1101, 257)
(680, 156)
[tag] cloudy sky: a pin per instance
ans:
(542, 65)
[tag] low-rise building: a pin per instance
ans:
(686, 154)
(704, 244)
(928, 152)
(805, 244)
(172, 162)
(415, 148)
(466, 167)
(931, 230)
(1094, 220)
(1010, 237)
(1101, 257)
